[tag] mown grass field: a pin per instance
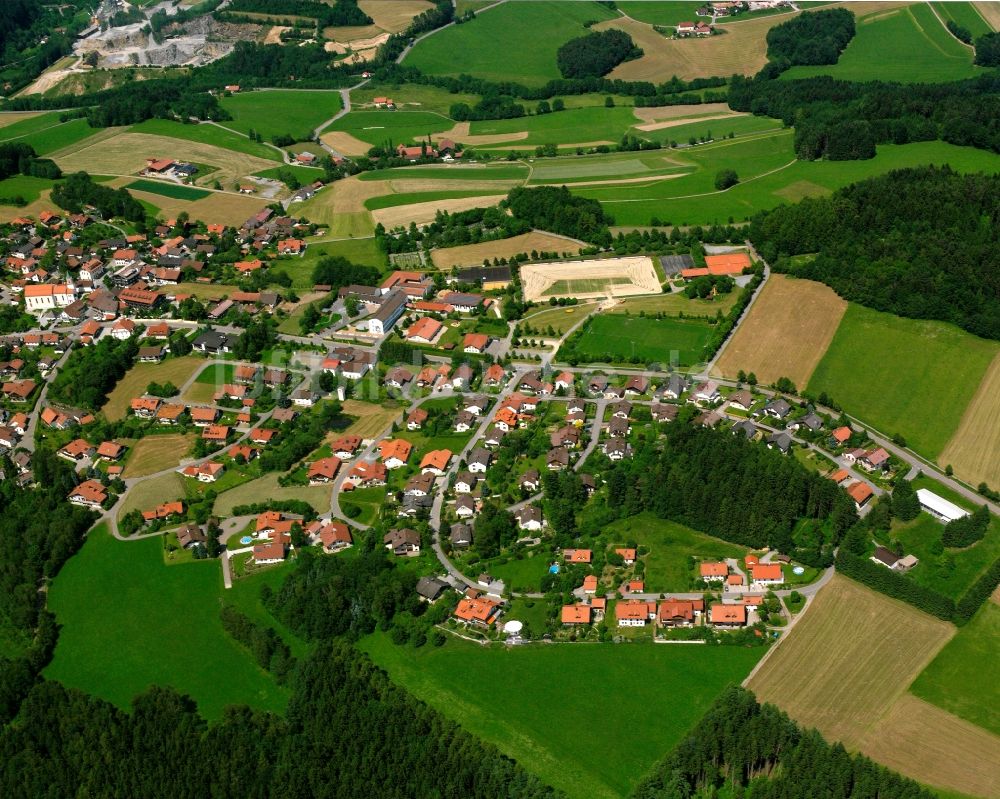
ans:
(150, 493)
(676, 304)
(128, 621)
(399, 127)
(275, 113)
(909, 45)
(670, 547)
(573, 126)
(965, 15)
(538, 704)
(962, 679)
(172, 190)
(267, 486)
(155, 453)
(972, 451)
(208, 133)
(487, 46)
(559, 319)
(789, 328)
(664, 341)
(172, 370)
(25, 186)
(475, 254)
(369, 419)
(46, 133)
(903, 376)
(516, 171)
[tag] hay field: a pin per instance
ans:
(10, 117)
(267, 486)
(173, 370)
(126, 154)
(974, 449)
(787, 332)
(675, 123)
(370, 420)
(32, 209)
(394, 15)
(474, 254)
(931, 745)
(155, 453)
(345, 143)
(219, 207)
(150, 493)
(848, 660)
(593, 278)
(423, 213)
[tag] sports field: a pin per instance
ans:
(974, 450)
(128, 621)
(845, 669)
(172, 190)
(909, 45)
(903, 376)
(155, 453)
(475, 254)
(172, 370)
(614, 337)
(589, 278)
(274, 113)
(786, 333)
(542, 704)
(961, 679)
(534, 31)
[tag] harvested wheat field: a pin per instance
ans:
(423, 213)
(345, 143)
(461, 133)
(418, 185)
(155, 453)
(126, 154)
(990, 12)
(594, 278)
(10, 117)
(935, 747)
(974, 450)
(394, 15)
(848, 660)
(370, 420)
(218, 208)
(659, 113)
(675, 123)
(787, 332)
(474, 254)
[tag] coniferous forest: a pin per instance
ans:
(919, 242)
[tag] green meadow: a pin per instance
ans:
(590, 720)
(568, 127)
(903, 376)
(25, 186)
(962, 678)
(47, 139)
(206, 133)
(171, 190)
(30, 125)
(513, 171)
(661, 12)
(512, 42)
(274, 113)
(399, 127)
(409, 198)
(129, 621)
(664, 341)
(909, 45)
(965, 15)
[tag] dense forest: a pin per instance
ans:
(742, 748)
(34, 34)
(817, 37)
(18, 158)
(340, 13)
(79, 190)
(452, 229)
(336, 271)
(595, 54)
(921, 242)
(90, 373)
(731, 488)
(557, 210)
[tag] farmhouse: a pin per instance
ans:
(938, 507)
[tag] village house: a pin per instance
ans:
(679, 612)
(720, 615)
(479, 611)
(576, 614)
(465, 483)
(529, 517)
(204, 473)
(367, 474)
(323, 470)
(766, 574)
(90, 493)
(713, 571)
(330, 535)
(634, 613)
(435, 462)
(403, 542)
(395, 452)
(416, 418)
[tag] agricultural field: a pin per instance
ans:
(535, 31)
(909, 45)
(369, 419)
(172, 190)
(572, 127)
(965, 15)
(961, 678)
(25, 186)
(423, 212)
(671, 546)
(267, 486)
(990, 12)
(46, 133)
(972, 451)
(786, 333)
(845, 669)
(207, 133)
(275, 113)
(152, 454)
(224, 207)
(475, 254)
(909, 377)
(410, 97)
(399, 127)
(664, 341)
(450, 172)
(129, 621)
(172, 370)
(8, 118)
(528, 701)
(150, 493)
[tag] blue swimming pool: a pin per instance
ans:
(554, 568)
(246, 539)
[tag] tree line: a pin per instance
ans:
(943, 261)
(742, 748)
(18, 158)
(340, 13)
(555, 209)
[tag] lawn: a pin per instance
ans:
(962, 678)
(171, 190)
(207, 133)
(399, 127)
(521, 575)
(484, 47)
(172, 370)
(667, 341)
(559, 319)
(671, 545)
(909, 45)
(903, 376)
(127, 622)
(154, 453)
(154, 491)
(542, 705)
(274, 113)
(369, 500)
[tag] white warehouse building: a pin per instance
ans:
(939, 507)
